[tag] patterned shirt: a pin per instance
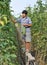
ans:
(25, 20)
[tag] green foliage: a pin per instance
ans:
(5, 8)
(8, 36)
(38, 16)
(8, 44)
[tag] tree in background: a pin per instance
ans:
(38, 15)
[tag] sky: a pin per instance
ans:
(19, 5)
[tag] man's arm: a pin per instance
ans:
(16, 21)
(29, 23)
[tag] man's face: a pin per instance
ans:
(23, 15)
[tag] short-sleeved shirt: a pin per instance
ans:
(27, 36)
(25, 20)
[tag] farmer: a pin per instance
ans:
(26, 24)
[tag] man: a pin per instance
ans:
(26, 24)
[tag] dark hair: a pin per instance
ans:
(24, 12)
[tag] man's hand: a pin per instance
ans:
(12, 19)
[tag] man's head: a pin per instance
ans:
(24, 13)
